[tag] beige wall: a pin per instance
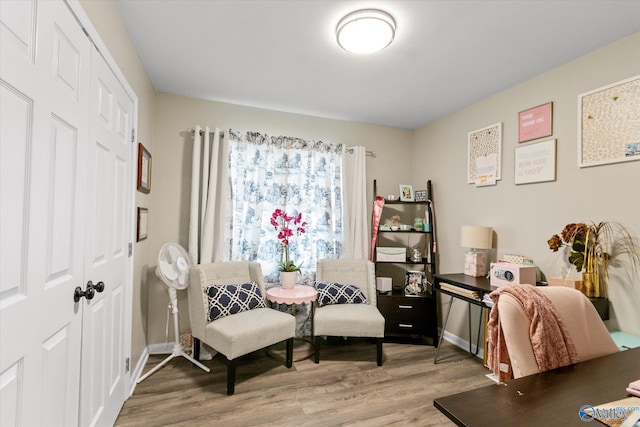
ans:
(106, 19)
(172, 167)
(525, 216)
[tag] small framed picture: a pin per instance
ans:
(143, 214)
(144, 169)
(421, 195)
(406, 193)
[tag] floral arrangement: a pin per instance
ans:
(592, 246)
(281, 221)
(395, 220)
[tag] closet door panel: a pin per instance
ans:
(44, 81)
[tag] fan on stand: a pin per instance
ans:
(173, 269)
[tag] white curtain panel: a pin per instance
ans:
(356, 231)
(209, 190)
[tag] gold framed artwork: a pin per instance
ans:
(609, 124)
(484, 155)
(535, 123)
(144, 169)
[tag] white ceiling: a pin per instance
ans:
(282, 55)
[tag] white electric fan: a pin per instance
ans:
(173, 269)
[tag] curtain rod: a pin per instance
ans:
(368, 153)
(192, 130)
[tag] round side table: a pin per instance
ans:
(300, 294)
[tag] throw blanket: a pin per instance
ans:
(552, 345)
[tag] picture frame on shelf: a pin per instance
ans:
(415, 283)
(144, 169)
(420, 195)
(406, 193)
(535, 123)
(142, 224)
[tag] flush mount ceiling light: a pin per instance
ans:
(366, 31)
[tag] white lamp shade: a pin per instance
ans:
(365, 31)
(473, 236)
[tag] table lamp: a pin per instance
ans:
(475, 237)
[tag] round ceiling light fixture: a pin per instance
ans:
(366, 31)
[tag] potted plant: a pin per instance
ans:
(592, 247)
(281, 221)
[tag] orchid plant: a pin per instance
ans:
(286, 225)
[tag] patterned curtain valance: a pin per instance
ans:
(285, 142)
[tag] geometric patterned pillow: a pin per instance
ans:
(231, 299)
(335, 293)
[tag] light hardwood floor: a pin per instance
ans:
(345, 389)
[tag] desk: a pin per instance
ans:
(548, 398)
(479, 285)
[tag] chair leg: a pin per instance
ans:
(196, 348)
(289, 358)
(231, 376)
(316, 349)
(379, 350)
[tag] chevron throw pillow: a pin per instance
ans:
(225, 300)
(335, 293)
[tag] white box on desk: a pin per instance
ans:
(383, 284)
(391, 254)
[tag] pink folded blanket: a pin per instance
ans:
(552, 345)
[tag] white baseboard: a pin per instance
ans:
(136, 373)
(162, 348)
(463, 344)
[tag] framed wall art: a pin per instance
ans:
(406, 193)
(609, 124)
(484, 155)
(536, 162)
(142, 224)
(144, 169)
(535, 123)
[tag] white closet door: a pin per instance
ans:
(108, 218)
(44, 58)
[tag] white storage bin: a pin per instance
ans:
(391, 254)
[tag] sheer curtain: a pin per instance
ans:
(356, 234)
(292, 174)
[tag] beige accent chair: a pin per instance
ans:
(586, 329)
(241, 333)
(348, 320)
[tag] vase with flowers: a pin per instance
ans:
(286, 225)
(591, 248)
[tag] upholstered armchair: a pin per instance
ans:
(347, 319)
(584, 326)
(235, 320)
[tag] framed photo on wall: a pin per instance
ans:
(406, 193)
(142, 224)
(484, 155)
(536, 162)
(536, 122)
(144, 169)
(609, 124)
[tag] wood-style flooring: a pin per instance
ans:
(346, 388)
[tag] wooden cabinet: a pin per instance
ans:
(407, 315)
